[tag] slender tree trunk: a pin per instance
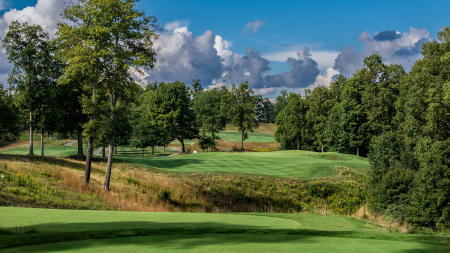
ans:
(298, 142)
(164, 148)
(103, 150)
(357, 151)
(31, 135)
(80, 143)
(42, 144)
(242, 140)
(182, 145)
(115, 149)
(143, 151)
(321, 147)
(153, 150)
(109, 164)
(111, 143)
(87, 170)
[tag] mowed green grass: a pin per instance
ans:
(45, 230)
(59, 148)
(252, 137)
(286, 164)
(232, 136)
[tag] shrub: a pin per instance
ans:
(165, 195)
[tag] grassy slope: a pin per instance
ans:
(115, 231)
(298, 164)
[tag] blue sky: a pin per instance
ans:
(323, 24)
(277, 30)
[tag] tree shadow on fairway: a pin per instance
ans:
(428, 248)
(178, 235)
(68, 236)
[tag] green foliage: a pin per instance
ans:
(206, 142)
(239, 105)
(102, 41)
(265, 110)
(9, 118)
(410, 175)
(169, 114)
(165, 195)
(34, 74)
(320, 104)
(292, 123)
(430, 196)
(210, 117)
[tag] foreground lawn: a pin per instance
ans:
(113, 231)
(297, 164)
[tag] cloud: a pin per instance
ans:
(325, 59)
(265, 91)
(45, 13)
(182, 56)
(238, 68)
(393, 46)
(254, 68)
(303, 72)
(325, 79)
(253, 26)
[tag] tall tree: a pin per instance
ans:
(29, 50)
(239, 104)
(320, 104)
(380, 93)
(112, 36)
(211, 119)
(292, 123)
(169, 106)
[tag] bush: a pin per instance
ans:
(165, 195)
(206, 142)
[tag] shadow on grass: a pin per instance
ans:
(186, 235)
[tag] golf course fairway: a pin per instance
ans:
(43, 230)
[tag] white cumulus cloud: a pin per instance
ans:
(393, 46)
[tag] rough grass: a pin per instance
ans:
(138, 188)
(70, 230)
